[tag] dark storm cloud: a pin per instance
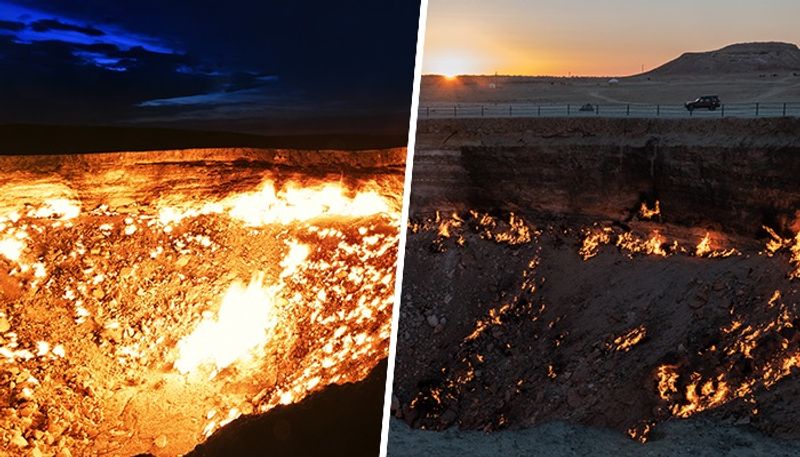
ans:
(239, 64)
(46, 25)
(12, 25)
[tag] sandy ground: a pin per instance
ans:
(691, 438)
(667, 90)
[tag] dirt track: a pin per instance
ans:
(693, 438)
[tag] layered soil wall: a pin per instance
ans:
(730, 174)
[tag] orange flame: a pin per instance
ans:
(651, 246)
(242, 324)
(629, 339)
(704, 246)
(648, 213)
(792, 245)
(268, 205)
(593, 241)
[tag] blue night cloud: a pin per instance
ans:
(236, 65)
(29, 25)
(111, 48)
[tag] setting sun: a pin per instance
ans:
(451, 63)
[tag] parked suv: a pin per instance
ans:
(710, 102)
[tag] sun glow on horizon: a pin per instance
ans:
(585, 38)
(450, 63)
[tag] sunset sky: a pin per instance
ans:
(592, 37)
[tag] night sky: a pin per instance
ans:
(230, 65)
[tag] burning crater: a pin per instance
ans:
(653, 302)
(148, 299)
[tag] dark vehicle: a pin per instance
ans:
(710, 102)
(587, 108)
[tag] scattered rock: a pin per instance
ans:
(699, 300)
(112, 334)
(433, 321)
(27, 409)
(19, 440)
(161, 441)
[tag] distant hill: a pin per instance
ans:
(743, 58)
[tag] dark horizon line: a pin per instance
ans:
(50, 139)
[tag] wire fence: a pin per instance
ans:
(472, 110)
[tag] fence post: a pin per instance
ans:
(455, 111)
(481, 110)
(567, 109)
(784, 110)
(539, 111)
(510, 112)
(428, 111)
(757, 109)
(598, 109)
(723, 110)
(658, 110)
(628, 112)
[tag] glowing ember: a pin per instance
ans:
(592, 242)
(651, 246)
(774, 299)
(641, 432)
(791, 245)
(629, 339)
(649, 213)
